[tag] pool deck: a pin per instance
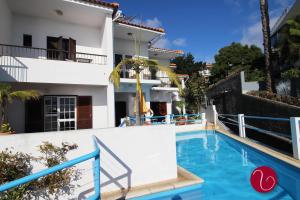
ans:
(184, 179)
(285, 158)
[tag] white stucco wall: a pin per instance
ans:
(16, 111)
(126, 47)
(88, 39)
(5, 23)
(149, 153)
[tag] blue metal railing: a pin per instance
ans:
(154, 119)
(228, 120)
(267, 118)
(95, 154)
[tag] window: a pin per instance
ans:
(118, 59)
(27, 40)
(60, 48)
(59, 113)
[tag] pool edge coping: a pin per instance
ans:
(280, 156)
(185, 179)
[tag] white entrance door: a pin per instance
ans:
(60, 113)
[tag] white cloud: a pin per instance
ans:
(169, 44)
(163, 43)
(283, 3)
(254, 35)
(180, 42)
(236, 4)
(155, 22)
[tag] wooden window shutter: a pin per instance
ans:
(72, 49)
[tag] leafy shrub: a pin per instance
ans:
(17, 165)
(291, 73)
(5, 128)
(276, 97)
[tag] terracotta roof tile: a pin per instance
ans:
(103, 3)
(121, 21)
(166, 50)
(183, 75)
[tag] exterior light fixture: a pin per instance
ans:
(59, 12)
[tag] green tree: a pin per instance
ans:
(236, 57)
(186, 64)
(265, 19)
(138, 65)
(7, 96)
(195, 92)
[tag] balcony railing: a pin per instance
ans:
(147, 74)
(9, 52)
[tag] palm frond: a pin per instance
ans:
(151, 63)
(114, 76)
(24, 95)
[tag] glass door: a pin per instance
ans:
(60, 113)
(67, 113)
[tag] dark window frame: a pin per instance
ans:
(27, 40)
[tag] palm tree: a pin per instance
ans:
(265, 19)
(138, 65)
(7, 96)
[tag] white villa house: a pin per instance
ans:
(66, 49)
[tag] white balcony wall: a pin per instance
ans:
(162, 62)
(5, 22)
(127, 47)
(32, 70)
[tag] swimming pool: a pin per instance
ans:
(226, 166)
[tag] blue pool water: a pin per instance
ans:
(226, 166)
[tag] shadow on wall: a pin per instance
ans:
(12, 69)
(111, 179)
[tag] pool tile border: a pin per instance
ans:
(184, 179)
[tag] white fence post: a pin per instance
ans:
(168, 119)
(203, 116)
(295, 128)
(242, 130)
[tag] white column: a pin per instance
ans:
(241, 120)
(182, 83)
(148, 101)
(168, 119)
(107, 41)
(295, 128)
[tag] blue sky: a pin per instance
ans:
(204, 26)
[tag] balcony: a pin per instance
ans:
(157, 78)
(9, 52)
(29, 64)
